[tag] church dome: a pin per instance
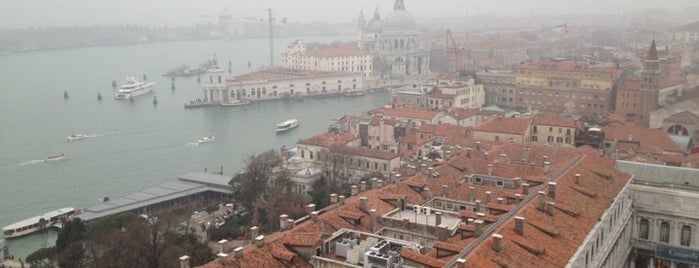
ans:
(374, 26)
(399, 18)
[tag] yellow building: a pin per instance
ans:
(553, 130)
(345, 58)
(504, 129)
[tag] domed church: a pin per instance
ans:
(393, 41)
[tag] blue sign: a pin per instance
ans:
(682, 255)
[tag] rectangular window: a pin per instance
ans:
(664, 235)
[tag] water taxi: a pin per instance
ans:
(287, 125)
(54, 158)
(206, 139)
(36, 223)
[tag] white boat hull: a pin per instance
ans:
(287, 125)
(32, 225)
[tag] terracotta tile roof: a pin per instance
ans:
(506, 125)
(447, 246)
(563, 66)
(361, 151)
(408, 113)
(329, 139)
(549, 120)
(461, 113)
(654, 141)
(302, 239)
(451, 134)
(281, 74)
(685, 117)
(422, 259)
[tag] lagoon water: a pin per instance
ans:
(132, 145)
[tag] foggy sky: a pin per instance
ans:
(28, 13)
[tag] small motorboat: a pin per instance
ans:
(77, 137)
(206, 139)
(235, 103)
(54, 158)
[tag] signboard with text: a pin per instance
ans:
(683, 255)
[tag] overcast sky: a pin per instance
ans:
(27, 13)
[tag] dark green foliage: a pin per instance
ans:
(42, 258)
(73, 230)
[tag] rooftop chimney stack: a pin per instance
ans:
(480, 215)
(577, 178)
(372, 213)
(468, 152)
(362, 186)
(478, 228)
(290, 224)
(488, 196)
(283, 219)
(260, 241)
(518, 198)
(478, 206)
(427, 192)
(478, 145)
(550, 206)
(460, 263)
(525, 188)
(333, 198)
(423, 168)
(547, 167)
(490, 169)
(354, 190)
(471, 193)
(254, 232)
(552, 189)
(374, 181)
(485, 156)
(397, 178)
(184, 261)
(222, 257)
(379, 183)
(519, 225)
(517, 181)
(314, 216)
(542, 201)
(546, 159)
(363, 203)
(497, 242)
(501, 200)
(238, 252)
(310, 208)
(341, 199)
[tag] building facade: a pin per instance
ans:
(553, 130)
(499, 86)
(345, 58)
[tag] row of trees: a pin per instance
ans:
(123, 240)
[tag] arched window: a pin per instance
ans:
(664, 235)
(643, 229)
(678, 130)
(686, 235)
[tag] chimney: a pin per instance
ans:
(542, 201)
(438, 218)
(430, 170)
(402, 204)
(479, 227)
(487, 196)
(392, 175)
(501, 200)
(550, 206)
(310, 208)
(314, 216)
(490, 169)
(481, 216)
(448, 154)
(468, 152)
(478, 145)
(362, 186)
(525, 188)
(333, 198)
(546, 159)
(283, 219)
(630, 137)
(372, 213)
(423, 168)
(485, 156)
(379, 183)
(363, 201)
(519, 225)
(518, 198)
(547, 167)
(254, 232)
(290, 224)
(478, 206)
(184, 261)
(427, 192)
(517, 181)
(238, 252)
(460, 263)
(525, 155)
(397, 178)
(497, 242)
(222, 257)
(471, 193)
(354, 190)
(552, 189)
(374, 183)
(411, 170)
(260, 241)
(445, 188)
(577, 178)
(341, 200)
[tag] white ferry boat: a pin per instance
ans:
(77, 137)
(206, 139)
(36, 223)
(133, 88)
(287, 125)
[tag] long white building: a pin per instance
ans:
(344, 57)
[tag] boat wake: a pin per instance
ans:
(30, 162)
(192, 144)
(101, 134)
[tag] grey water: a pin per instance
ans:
(132, 145)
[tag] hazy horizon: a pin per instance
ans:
(42, 13)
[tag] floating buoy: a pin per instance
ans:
(65, 94)
(155, 100)
(99, 96)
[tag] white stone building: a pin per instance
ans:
(345, 58)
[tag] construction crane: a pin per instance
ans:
(455, 53)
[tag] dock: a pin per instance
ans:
(195, 190)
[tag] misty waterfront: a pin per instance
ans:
(136, 145)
